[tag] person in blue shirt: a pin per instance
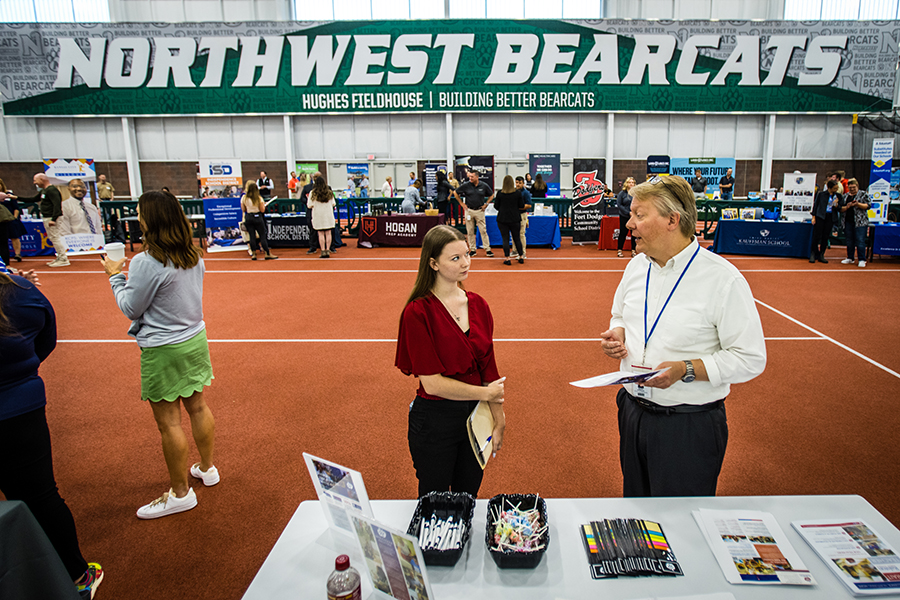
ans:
(27, 337)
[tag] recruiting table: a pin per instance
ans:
(34, 241)
(763, 238)
(398, 229)
(543, 230)
(887, 239)
(287, 230)
(609, 234)
(304, 554)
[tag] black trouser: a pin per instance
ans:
(515, 229)
(670, 454)
(821, 233)
(443, 206)
(313, 234)
(256, 224)
(623, 231)
(440, 448)
(26, 474)
(4, 242)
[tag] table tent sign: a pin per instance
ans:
(341, 492)
(220, 178)
(84, 236)
(799, 193)
(588, 190)
(880, 179)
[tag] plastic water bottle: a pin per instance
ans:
(344, 582)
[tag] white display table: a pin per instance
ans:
(303, 557)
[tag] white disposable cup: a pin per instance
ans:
(115, 251)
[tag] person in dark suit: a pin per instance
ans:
(823, 219)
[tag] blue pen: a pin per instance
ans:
(486, 442)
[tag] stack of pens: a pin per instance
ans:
(439, 533)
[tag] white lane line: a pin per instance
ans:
(504, 270)
(832, 340)
(383, 340)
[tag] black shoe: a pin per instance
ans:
(311, 251)
(18, 258)
(471, 253)
(812, 258)
(521, 261)
(253, 257)
(822, 259)
(507, 262)
(489, 254)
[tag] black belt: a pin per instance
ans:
(678, 408)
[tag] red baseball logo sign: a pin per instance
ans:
(588, 189)
(369, 225)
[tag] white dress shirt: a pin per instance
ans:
(711, 316)
(387, 190)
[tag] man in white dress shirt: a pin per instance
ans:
(681, 307)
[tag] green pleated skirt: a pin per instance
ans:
(176, 370)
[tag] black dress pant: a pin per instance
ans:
(821, 233)
(511, 228)
(440, 448)
(26, 474)
(256, 224)
(4, 242)
(670, 454)
(313, 234)
(623, 232)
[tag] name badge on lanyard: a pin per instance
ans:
(640, 390)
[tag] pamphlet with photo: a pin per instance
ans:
(394, 561)
(341, 491)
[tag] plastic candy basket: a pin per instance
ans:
(509, 559)
(444, 504)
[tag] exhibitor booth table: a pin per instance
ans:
(35, 241)
(886, 239)
(304, 554)
(543, 230)
(398, 229)
(763, 238)
(609, 232)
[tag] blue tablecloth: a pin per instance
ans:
(763, 238)
(542, 231)
(34, 240)
(887, 239)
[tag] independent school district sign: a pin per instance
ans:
(447, 66)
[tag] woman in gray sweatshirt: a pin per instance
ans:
(163, 297)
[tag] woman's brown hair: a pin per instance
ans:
(3, 187)
(509, 185)
(539, 182)
(252, 192)
(320, 191)
(6, 328)
(166, 231)
(432, 247)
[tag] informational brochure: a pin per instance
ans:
(341, 491)
(860, 558)
(616, 378)
(394, 561)
(751, 547)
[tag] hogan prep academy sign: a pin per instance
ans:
(447, 66)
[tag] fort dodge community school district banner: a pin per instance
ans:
(446, 66)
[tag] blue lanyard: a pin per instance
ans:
(647, 293)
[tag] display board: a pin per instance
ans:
(880, 178)
(712, 168)
(223, 222)
(589, 207)
(81, 224)
(547, 166)
(799, 192)
(220, 178)
(658, 164)
(483, 165)
(477, 65)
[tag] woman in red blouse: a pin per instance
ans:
(446, 340)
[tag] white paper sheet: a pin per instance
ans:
(616, 378)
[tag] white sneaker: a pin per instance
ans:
(59, 263)
(862, 264)
(847, 261)
(168, 504)
(209, 477)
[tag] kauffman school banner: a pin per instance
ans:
(447, 66)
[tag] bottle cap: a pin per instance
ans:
(342, 563)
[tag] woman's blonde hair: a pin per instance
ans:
(166, 231)
(509, 185)
(670, 194)
(432, 247)
(251, 190)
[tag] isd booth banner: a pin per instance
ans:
(588, 209)
(470, 65)
(223, 224)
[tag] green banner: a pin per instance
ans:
(447, 66)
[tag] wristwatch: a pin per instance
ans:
(689, 375)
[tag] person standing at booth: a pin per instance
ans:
(539, 188)
(254, 208)
(822, 212)
(523, 214)
(163, 296)
(105, 190)
(699, 185)
(442, 196)
(321, 204)
(726, 185)
(50, 205)
(387, 188)
(623, 205)
(478, 195)
(265, 185)
(446, 340)
(293, 186)
(509, 202)
(855, 208)
(682, 308)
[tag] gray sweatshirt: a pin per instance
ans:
(165, 304)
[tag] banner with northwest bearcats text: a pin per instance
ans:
(478, 65)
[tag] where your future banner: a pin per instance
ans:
(479, 65)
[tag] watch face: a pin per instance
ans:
(687, 378)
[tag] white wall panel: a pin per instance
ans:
(528, 134)
(467, 135)
(811, 137)
(95, 138)
(309, 142)
(249, 137)
(405, 137)
(563, 134)
(215, 138)
(719, 135)
(785, 137)
(591, 136)
(273, 130)
(56, 138)
(371, 135)
(625, 136)
(338, 144)
(652, 134)
(839, 141)
(181, 138)
(434, 136)
(202, 10)
(686, 134)
(751, 134)
(168, 11)
(22, 139)
(495, 134)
